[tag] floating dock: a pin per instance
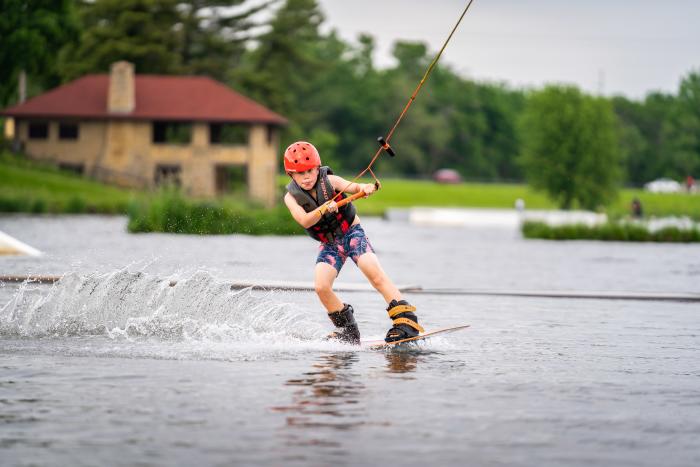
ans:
(416, 289)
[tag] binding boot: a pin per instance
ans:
(344, 320)
(405, 321)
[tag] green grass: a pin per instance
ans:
(657, 204)
(402, 193)
(407, 193)
(28, 186)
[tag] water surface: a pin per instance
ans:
(113, 366)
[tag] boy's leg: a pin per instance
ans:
(324, 276)
(340, 314)
(405, 322)
(370, 267)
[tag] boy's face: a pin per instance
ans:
(307, 179)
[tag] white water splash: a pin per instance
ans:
(132, 305)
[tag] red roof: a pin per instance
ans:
(193, 98)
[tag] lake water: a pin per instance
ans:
(112, 366)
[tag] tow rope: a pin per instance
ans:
(384, 145)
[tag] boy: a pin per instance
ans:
(341, 236)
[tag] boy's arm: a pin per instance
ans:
(306, 219)
(339, 183)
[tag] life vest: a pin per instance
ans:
(331, 225)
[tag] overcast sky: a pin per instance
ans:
(625, 47)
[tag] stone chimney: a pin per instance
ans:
(122, 92)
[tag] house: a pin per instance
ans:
(143, 130)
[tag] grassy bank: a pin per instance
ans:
(657, 204)
(29, 186)
(407, 193)
(169, 211)
(612, 231)
(34, 187)
(397, 193)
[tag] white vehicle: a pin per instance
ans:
(663, 185)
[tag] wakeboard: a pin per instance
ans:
(381, 344)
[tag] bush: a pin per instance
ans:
(13, 205)
(169, 211)
(75, 205)
(611, 231)
(38, 206)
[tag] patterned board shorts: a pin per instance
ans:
(353, 244)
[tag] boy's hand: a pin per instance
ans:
(368, 188)
(330, 207)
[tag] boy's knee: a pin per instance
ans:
(323, 288)
(377, 279)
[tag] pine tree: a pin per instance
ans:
(214, 34)
(140, 31)
(31, 33)
(285, 64)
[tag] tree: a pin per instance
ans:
(281, 71)
(213, 35)
(344, 101)
(683, 132)
(31, 33)
(643, 135)
(200, 37)
(140, 31)
(412, 58)
(570, 147)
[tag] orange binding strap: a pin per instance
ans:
(398, 309)
(411, 323)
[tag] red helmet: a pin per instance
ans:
(300, 157)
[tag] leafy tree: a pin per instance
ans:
(453, 123)
(643, 135)
(345, 102)
(570, 147)
(31, 33)
(683, 133)
(500, 109)
(412, 59)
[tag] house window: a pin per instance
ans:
(67, 130)
(72, 167)
(172, 132)
(270, 134)
(231, 178)
(168, 174)
(38, 130)
(228, 133)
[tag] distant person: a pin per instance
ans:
(690, 183)
(520, 205)
(341, 236)
(637, 210)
